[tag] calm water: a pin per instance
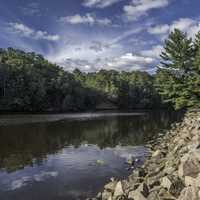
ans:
(70, 157)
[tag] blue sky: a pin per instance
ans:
(95, 34)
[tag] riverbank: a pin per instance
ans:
(171, 172)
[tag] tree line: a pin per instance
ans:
(28, 82)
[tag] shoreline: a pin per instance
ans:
(40, 118)
(172, 172)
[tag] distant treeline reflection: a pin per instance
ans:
(22, 145)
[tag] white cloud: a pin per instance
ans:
(183, 24)
(138, 8)
(154, 52)
(28, 32)
(70, 64)
(99, 3)
(160, 29)
(85, 19)
(190, 26)
(25, 180)
(126, 62)
(127, 34)
(129, 62)
(98, 46)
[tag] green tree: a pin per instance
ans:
(178, 54)
(175, 80)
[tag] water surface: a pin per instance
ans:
(70, 156)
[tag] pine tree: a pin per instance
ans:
(175, 79)
(194, 79)
(178, 53)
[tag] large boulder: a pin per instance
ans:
(118, 190)
(106, 195)
(189, 193)
(136, 195)
(190, 181)
(190, 164)
(110, 186)
(173, 184)
(141, 193)
(153, 196)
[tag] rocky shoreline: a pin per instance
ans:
(172, 172)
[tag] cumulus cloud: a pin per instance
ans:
(28, 32)
(85, 19)
(129, 62)
(138, 8)
(99, 3)
(70, 64)
(154, 52)
(190, 26)
(126, 62)
(160, 29)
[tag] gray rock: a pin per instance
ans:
(190, 181)
(189, 193)
(157, 154)
(173, 184)
(143, 189)
(153, 196)
(140, 172)
(110, 186)
(190, 164)
(136, 195)
(106, 195)
(118, 190)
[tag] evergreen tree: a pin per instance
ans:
(178, 54)
(177, 79)
(194, 79)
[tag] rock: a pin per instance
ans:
(153, 196)
(166, 182)
(173, 184)
(157, 154)
(169, 170)
(189, 193)
(153, 181)
(140, 172)
(197, 181)
(190, 181)
(143, 189)
(99, 195)
(190, 164)
(141, 193)
(136, 195)
(118, 190)
(165, 195)
(110, 186)
(106, 195)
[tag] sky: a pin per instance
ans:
(96, 34)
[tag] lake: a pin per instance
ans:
(71, 156)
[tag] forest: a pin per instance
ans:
(30, 83)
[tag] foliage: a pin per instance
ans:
(28, 82)
(178, 78)
(128, 90)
